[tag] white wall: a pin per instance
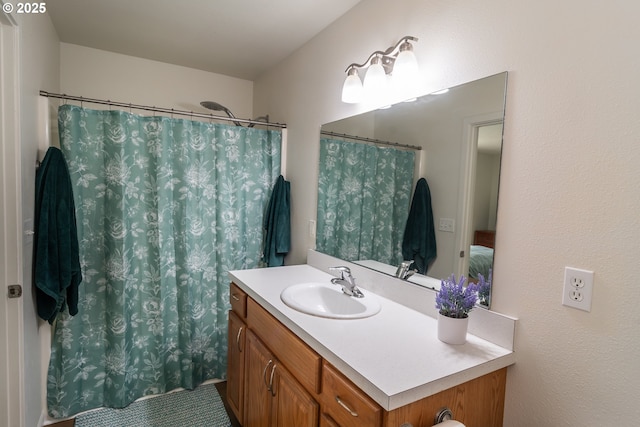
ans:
(569, 186)
(93, 73)
(39, 69)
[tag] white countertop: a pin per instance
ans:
(395, 356)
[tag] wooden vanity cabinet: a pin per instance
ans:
(235, 364)
(273, 397)
(274, 379)
(476, 403)
(236, 351)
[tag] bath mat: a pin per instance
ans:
(194, 408)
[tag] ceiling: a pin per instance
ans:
(238, 38)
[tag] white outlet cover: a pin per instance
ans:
(578, 288)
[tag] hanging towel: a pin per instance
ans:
(56, 254)
(277, 224)
(419, 242)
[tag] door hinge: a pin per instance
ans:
(14, 291)
(461, 254)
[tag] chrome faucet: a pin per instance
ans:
(347, 281)
(403, 271)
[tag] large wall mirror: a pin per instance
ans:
(370, 164)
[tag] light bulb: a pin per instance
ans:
(406, 66)
(405, 71)
(375, 81)
(352, 91)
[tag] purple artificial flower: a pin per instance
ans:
(456, 300)
(484, 289)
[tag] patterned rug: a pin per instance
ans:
(194, 408)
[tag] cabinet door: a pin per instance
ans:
(235, 364)
(293, 405)
(259, 364)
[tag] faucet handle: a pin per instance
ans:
(342, 269)
(403, 268)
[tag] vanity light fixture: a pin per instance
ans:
(398, 61)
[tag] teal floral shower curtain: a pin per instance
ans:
(364, 196)
(165, 207)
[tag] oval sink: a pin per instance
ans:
(327, 300)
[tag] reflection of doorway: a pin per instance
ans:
(478, 199)
(485, 204)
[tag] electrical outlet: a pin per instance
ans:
(578, 288)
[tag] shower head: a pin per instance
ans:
(218, 107)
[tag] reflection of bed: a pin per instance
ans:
(481, 254)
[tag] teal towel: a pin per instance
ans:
(56, 253)
(419, 242)
(277, 224)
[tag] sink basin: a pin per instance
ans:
(328, 300)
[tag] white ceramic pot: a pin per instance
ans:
(452, 330)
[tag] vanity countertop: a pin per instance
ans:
(395, 356)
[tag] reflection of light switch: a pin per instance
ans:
(447, 224)
(27, 226)
(312, 229)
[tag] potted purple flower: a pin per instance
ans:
(454, 301)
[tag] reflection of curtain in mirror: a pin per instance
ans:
(165, 207)
(364, 195)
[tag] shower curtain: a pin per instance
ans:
(165, 207)
(363, 200)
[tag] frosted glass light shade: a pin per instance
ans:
(406, 67)
(375, 81)
(352, 91)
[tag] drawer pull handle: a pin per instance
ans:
(344, 405)
(238, 338)
(235, 297)
(264, 374)
(273, 371)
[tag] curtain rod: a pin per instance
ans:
(373, 140)
(157, 109)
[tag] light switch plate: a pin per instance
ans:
(447, 224)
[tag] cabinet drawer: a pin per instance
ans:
(327, 421)
(293, 353)
(238, 300)
(345, 403)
